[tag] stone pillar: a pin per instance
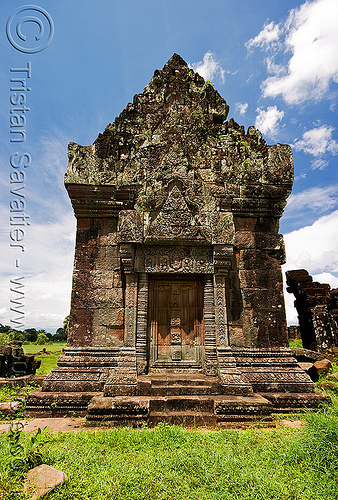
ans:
(122, 379)
(209, 326)
(130, 299)
(142, 324)
(222, 264)
(221, 320)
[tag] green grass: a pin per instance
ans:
(295, 343)
(176, 463)
(53, 347)
(48, 361)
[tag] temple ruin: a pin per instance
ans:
(317, 308)
(177, 305)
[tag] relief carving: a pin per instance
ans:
(175, 219)
(161, 259)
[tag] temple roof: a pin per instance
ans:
(176, 129)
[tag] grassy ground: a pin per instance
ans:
(53, 347)
(48, 360)
(176, 463)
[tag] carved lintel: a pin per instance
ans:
(173, 259)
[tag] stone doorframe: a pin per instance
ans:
(214, 266)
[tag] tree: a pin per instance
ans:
(60, 335)
(4, 338)
(16, 335)
(66, 324)
(41, 338)
(30, 334)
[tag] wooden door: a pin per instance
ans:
(176, 324)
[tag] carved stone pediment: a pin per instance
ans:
(175, 221)
(130, 227)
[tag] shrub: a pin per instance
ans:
(41, 339)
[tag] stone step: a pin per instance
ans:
(178, 385)
(290, 402)
(197, 404)
(56, 404)
(182, 390)
(179, 378)
(189, 419)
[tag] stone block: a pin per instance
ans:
(236, 336)
(256, 259)
(263, 299)
(80, 327)
(101, 278)
(322, 366)
(245, 223)
(279, 167)
(260, 278)
(41, 480)
(108, 317)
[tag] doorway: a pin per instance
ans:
(176, 321)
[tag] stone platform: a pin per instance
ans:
(187, 399)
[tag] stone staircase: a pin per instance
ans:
(189, 399)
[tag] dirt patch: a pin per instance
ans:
(53, 424)
(294, 424)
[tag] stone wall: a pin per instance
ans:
(97, 313)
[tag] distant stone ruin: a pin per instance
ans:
(177, 305)
(14, 363)
(317, 307)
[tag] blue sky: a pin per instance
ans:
(274, 62)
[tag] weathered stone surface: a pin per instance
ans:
(178, 258)
(14, 363)
(41, 480)
(9, 407)
(317, 307)
(322, 366)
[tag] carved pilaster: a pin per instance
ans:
(209, 325)
(222, 264)
(141, 336)
(130, 310)
(127, 258)
(221, 310)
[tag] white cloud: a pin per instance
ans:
(209, 68)
(268, 121)
(311, 36)
(314, 248)
(317, 141)
(241, 107)
(267, 38)
(316, 199)
(319, 164)
(47, 269)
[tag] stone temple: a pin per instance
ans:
(177, 309)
